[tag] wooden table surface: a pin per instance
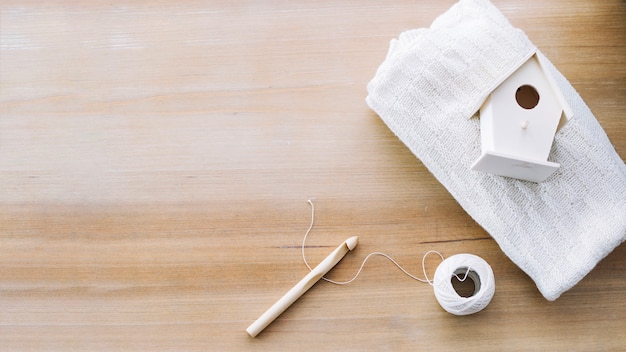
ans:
(156, 158)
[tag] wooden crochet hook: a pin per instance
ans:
(301, 287)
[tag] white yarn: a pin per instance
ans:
(471, 266)
(427, 91)
(474, 268)
(306, 234)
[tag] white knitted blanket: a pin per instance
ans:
(428, 91)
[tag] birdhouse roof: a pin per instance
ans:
(567, 110)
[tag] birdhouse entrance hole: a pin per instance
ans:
(527, 96)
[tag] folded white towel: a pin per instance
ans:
(428, 91)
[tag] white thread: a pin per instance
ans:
(426, 280)
(470, 265)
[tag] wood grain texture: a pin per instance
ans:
(156, 158)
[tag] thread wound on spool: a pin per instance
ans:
(464, 267)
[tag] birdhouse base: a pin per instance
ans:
(514, 166)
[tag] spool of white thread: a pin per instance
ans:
(464, 266)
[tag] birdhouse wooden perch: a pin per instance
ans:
(518, 122)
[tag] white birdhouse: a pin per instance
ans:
(518, 121)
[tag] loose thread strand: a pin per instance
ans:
(426, 280)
